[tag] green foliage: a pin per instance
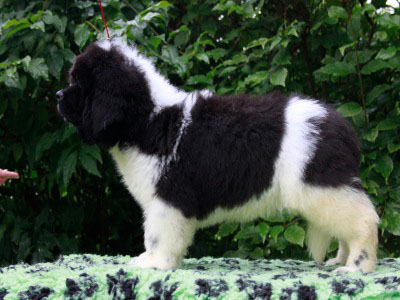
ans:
(69, 198)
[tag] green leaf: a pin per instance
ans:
(354, 28)
(374, 65)
(17, 151)
(281, 58)
(89, 163)
(25, 61)
(150, 15)
(24, 247)
(236, 59)
(226, 229)
(368, 8)
(81, 35)
(156, 40)
(38, 25)
(170, 54)
(275, 41)
(68, 55)
(263, 229)
(218, 53)
(295, 235)
(45, 143)
(12, 77)
(275, 231)
(256, 78)
(93, 151)
(388, 124)
(18, 26)
(338, 69)
(181, 38)
(199, 79)
(386, 53)
(395, 195)
(393, 147)
(15, 22)
(203, 56)
(279, 77)
(55, 63)
(350, 109)
(376, 91)
(363, 56)
(55, 21)
(257, 253)
(337, 12)
(69, 167)
(161, 4)
(343, 48)
(259, 42)
(68, 131)
(246, 233)
(227, 70)
(384, 165)
(393, 221)
(37, 68)
(389, 21)
(371, 135)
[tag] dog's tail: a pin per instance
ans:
(318, 242)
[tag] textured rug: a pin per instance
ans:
(103, 277)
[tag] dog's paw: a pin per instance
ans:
(146, 260)
(333, 262)
(346, 269)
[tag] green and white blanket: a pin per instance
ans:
(103, 277)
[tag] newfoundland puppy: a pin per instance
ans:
(193, 160)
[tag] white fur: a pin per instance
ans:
(162, 92)
(174, 232)
(139, 172)
(342, 213)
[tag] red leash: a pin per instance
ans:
(104, 19)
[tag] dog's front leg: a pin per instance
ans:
(167, 235)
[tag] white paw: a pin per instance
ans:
(333, 262)
(146, 260)
(347, 269)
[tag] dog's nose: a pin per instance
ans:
(60, 94)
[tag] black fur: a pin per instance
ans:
(108, 99)
(226, 154)
(337, 155)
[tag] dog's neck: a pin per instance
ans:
(162, 92)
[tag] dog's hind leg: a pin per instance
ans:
(362, 251)
(361, 235)
(348, 215)
(317, 242)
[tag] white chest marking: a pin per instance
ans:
(140, 173)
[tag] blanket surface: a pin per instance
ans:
(105, 277)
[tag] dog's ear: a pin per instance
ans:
(107, 118)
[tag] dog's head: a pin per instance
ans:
(106, 94)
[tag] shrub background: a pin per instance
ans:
(69, 198)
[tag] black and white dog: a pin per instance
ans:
(193, 160)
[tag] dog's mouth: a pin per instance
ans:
(62, 114)
(69, 117)
(59, 112)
